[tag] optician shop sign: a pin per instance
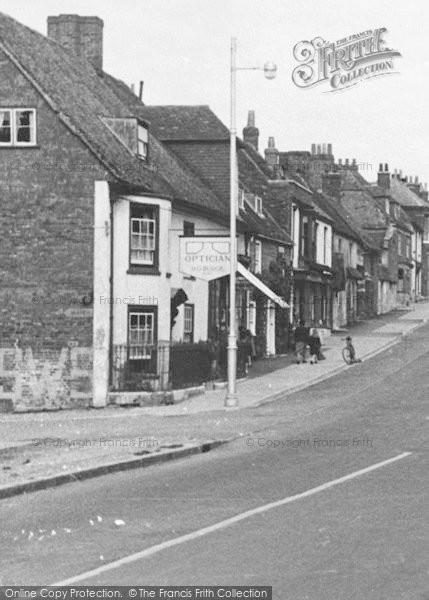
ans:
(204, 257)
(343, 63)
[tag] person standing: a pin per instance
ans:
(301, 341)
(315, 346)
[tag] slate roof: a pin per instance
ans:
(200, 140)
(77, 94)
(406, 197)
(185, 123)
(80, 97)
(343, 221)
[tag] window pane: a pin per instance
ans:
(25, 126)
(142, 133)
(143, 241)
(141, 335)
(5, 130)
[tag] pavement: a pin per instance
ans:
(328, 499)
(40, 450)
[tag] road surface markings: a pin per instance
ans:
(226, 523)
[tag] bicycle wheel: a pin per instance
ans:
(347, 356)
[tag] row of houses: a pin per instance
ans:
(99, 196)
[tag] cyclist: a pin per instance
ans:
(350, 350)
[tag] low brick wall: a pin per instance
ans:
(33, 380)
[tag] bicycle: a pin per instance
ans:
(348, 353)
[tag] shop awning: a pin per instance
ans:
(261, 286)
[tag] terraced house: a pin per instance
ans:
(95, 208)
(311, 230)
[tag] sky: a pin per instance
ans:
(181, 50)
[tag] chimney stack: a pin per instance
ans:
(81, 35)
(272, 154)
(250, 132)
(383, 177)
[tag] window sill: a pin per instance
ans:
(143, 270)
(20, 146)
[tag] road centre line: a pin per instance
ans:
(226, 523)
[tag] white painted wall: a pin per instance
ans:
(141, 289)
(324, 257)
(101, 314)
(296, 236)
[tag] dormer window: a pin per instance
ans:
(142, 142)
(17, 127)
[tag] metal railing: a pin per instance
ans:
(163, 366)
(138, 368)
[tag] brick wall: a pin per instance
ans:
(46, 251)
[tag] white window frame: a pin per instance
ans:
(258, 256)
(241, 197)
(325, 245)
(142, 142)
(142, 234)
(14, 129)
(258, 205)
(143, 349)
(251, 315)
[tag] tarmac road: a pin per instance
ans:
(345, 463)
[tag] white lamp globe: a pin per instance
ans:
(270, 70)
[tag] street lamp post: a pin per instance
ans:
(270, 69)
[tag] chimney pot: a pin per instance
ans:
(319, 149)
(347, 162)
(340, 161)
(386, 167)
(380, 168)
(313, 148)
(323, 148)
(329, 148)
